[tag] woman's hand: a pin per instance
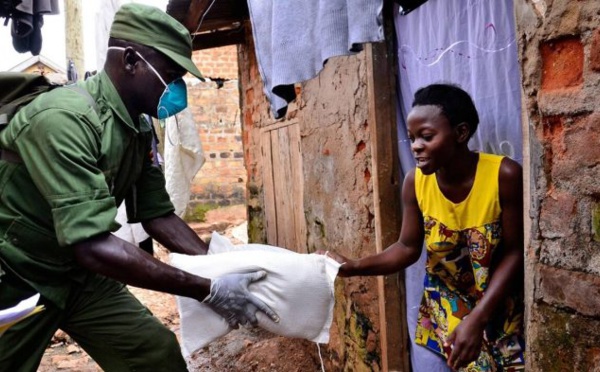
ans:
(465, 342)
(347, 265)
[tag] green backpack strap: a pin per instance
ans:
(17, 90)
(84, 93)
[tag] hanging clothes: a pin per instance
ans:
(7, 7)
(27, 21)
(294, 40)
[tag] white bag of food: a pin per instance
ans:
(298, 287)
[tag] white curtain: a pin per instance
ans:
(470, 43)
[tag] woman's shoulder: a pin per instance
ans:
(510, 170)
(504, 164)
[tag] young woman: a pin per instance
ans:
(468, 209)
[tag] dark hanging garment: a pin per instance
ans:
(27, 21)
(7, 7)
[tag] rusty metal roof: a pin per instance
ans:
(222, 23)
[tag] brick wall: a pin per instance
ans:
(216, 110)
(560, 54)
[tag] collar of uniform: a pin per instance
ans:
(104, 88)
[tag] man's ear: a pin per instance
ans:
(130, 58)
(463, 132)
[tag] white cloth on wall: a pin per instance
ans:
(298, 287)
(294, 39)
(183, 158)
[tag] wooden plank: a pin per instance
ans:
(297, 187)
(387, 207)
(270, 210)
(194, 14)
(530, 255)
(217, 39)
(278, 187)
(286, 186)
(214, 15)
(282, 124)
(284, 196)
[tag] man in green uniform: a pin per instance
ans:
(68, 160)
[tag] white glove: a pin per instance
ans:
(229, 297)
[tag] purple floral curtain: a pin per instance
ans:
(470, 43)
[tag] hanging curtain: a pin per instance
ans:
(470, 43)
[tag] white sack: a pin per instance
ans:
(133, 233)
(298, 287)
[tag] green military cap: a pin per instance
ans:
(150, 26)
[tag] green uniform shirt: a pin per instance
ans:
(79, 164)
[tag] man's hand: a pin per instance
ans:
(230, 298)
(465, 342)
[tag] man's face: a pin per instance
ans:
(150, 86)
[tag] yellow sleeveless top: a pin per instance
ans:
(460, 239)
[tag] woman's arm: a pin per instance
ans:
(507, 274)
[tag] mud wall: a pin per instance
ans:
(559, 45)
(332, 113)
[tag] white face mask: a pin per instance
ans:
(173, 99)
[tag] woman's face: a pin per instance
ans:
(433, 140)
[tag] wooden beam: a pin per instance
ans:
(195, 12)
(270, 212)
(221, 14)
(74, 36)
(218, 38)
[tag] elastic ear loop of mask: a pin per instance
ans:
(148, 63)
(161, 80)
(155, 73)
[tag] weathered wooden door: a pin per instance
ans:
(283, 185)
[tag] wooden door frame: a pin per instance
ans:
(382, 102)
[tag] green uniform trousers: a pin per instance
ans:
(102, 316)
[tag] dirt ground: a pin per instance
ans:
(240, 350)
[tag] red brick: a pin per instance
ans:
(592, 357)
(595, 51)
(557, 207)
(576, 148)
(566, 288)
(562, 63)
